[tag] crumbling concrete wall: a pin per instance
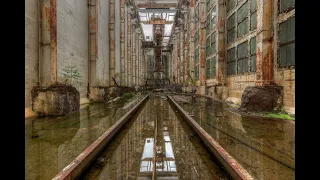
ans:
(72, 39)
(31, 48)
(103, 42)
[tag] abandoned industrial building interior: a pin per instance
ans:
(160, 89)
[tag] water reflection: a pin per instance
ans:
(264, 147)
(52, 143)
(179, 152)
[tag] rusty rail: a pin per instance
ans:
(84, 160)
(233, 168)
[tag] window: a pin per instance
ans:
(231, 29)
(208, 76)
(196, 63)
(253, 16)
(230, 5)
(286, 5)
(287, 43)
(208, 26)
(208, 47)
(243, 23)
(213, 43)
(231, 61)
(213, 68)
(242, 54)
(253, 57)
(213, 19)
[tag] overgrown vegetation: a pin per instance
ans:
(72, 75)
(280, 115)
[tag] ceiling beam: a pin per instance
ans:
(156, 5)
(156, 10)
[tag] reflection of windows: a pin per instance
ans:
(147, 156)
(253, 57)
(242, 57)
(286, 5)
(231, 61)
(231, 29)
(243, 23)
(287, 43)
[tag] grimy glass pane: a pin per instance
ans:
(213, 37)
(213, 48)
(231, 68)
(287, 55)
(231, 36)
(243, 12)
(243, 28)
(253, 5)
(287, 30)
(285, 4)
(230, 5)
(212, 2)
(243, 50)
(253, 21)
(242, 65)
(253, 63)
(213, 24)
(208, 69)
(253, 45)
(231, 22)
(231, 53)
(213, 67)
(213, 13)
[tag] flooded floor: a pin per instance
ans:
(52, 143)
(156, 140)
(265, 147)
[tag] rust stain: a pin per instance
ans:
(53, 39)
(47, 17)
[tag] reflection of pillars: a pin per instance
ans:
(264, 64)
(122, 43)
(220, 63)
(112, 61)
(202, 36)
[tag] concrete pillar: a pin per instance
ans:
(122, 43)
(93, 41)
(112, 35)
(202, 45)
(185, 43)
(129, 41)
(221, 56)
(53, 41)
(181, 33)
(264, 63)
(178, 55)
(191, 40)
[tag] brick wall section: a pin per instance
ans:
(103, 41)
(31, 48)
(72, 38)
(237, 84)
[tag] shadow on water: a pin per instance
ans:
(265, 147)
(177, 154)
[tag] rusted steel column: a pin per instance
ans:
(202, 38)
(175, 68)
(112, 35)
(191, 40)
(122, 47)
(53, 41)
(93, 40)
(181, 31)
(129, 67)
(220, 24)
(133, 54)
(178, 54)
(185, 43)
(264, 64)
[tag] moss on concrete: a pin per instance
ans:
(279, 115)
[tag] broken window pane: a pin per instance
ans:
(242, 12)
(286, 4)
(243, 28)
(253, 23)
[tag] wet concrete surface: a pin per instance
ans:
(156, 138)
(265, 147)
(51, 143)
